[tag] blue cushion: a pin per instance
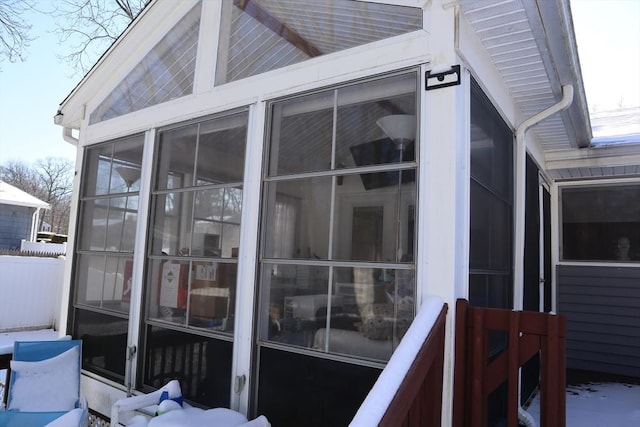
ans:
(27, 419)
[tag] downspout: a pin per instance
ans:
(35, 220)
(521, 152)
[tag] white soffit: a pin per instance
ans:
(506, 32)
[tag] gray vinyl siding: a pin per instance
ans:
(15, 225)
(602, 306)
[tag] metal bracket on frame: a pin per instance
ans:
(440, 79)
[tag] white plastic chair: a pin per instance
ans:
(139, 411)
(44, 385)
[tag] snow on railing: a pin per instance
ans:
(390, 387)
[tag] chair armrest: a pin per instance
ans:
(133, 403)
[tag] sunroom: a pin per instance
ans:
(269, 191)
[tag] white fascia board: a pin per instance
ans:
(595, 183)
(594, 157)
(395, 53)
(65, 294)
(125, 53)
(477, 60)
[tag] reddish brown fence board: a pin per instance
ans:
(475, 378)
(418, 401)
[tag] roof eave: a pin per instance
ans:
(72, 118)
(552, 24)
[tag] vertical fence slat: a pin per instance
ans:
(478, 400)
(460, 389)
(550, 395)
(528, 332)
(562, 372)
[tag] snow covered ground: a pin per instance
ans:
(599, 405)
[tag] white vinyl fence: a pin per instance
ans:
(30, 291)
(43, 247)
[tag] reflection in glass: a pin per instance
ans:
(491, 207)
(193, 293)
(106, 235)
(308, 236)
(104, 343)
(368, 311)
(113, 168)
(104, 282)
(601, 223)
(206, 153)
(341, 189)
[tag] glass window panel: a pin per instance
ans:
(106, 235)
(296, 298)
(113, 291)
(360, 140)
(491, 205)
(104, 343)
(177, 153)
(370, 308)
(343, 213)
(167, 238)
(490, 290)
(377, 307)
(311, 235)
(90, 279)
(491, 146)
(127, 157)
(165, 73)
(121, 224)
(94, 226)
(490, 235)
(168, 290)
(221, 149)
(195, 293)
(374, 225)
(114, 167)
(601, 223)
(104, 282)
(301, 135)
(97, 170)
(212, 295)
(264, 35)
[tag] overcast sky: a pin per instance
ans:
(607, 32)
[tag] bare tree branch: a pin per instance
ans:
(14, 30)
(88, 27)
(50, 180)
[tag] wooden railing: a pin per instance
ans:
(478, 373)
(418, 399)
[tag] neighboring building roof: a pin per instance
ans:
(616, 127)
(10, 195)
(614, 150)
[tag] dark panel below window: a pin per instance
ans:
(201, 364)
(104, 343)
(297, 390)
